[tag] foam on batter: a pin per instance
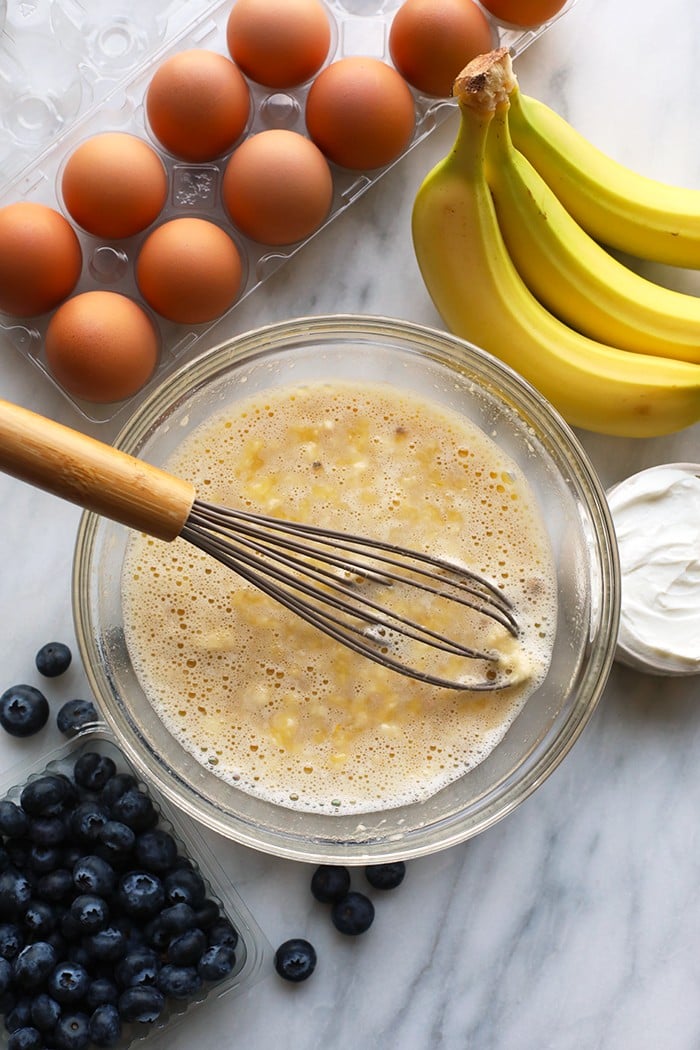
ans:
(267, 702)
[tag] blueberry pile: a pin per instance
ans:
(352, 912)
(104, 921)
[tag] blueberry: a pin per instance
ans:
(45, 1012)
(295, 960)
(141, 1003)
(25, 1039)
(55, 885)
(155, 850)
(208, 914)
(216, 962)
(18, 853)
(14, 822)
(94, 875)
(330, 882)
(11, 940)
(44, 795)
(74, 715)
(137, 967)
(178, 982)
(105, 1025)
(48, 830)
(23, 710)
(117, 839)
(92, 770)
(86, 820)
(135, 809)
(39, 920)
(72, 1032)
(140, 894)
(115, 787)
(20, 1016)
(90, 912)
(353, 913)
(222, 932)
(34, 964)
(102, 990)
(15, 893)
(184, 886)
(68, 982)
(177, 918)
(385, 876)
(42, 859)
(187, 948)
(106, 945)
(5, 975)
(53, 659)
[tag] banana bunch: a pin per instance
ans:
(507, 231)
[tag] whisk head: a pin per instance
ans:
(333, 581)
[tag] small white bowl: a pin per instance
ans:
(633, 649)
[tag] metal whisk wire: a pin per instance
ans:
(285, 560)
(319, 574)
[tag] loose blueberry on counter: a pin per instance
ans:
(352, 914)
(23, 710)
(295, 960)
(75, 715)
(385, 876)
(330, 882)
(53, 659)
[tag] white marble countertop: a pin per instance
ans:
(573, 924)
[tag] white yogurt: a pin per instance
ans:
(656, 514)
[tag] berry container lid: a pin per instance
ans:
(96, 63)
(253, 953)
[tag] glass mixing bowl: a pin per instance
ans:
(444, 369)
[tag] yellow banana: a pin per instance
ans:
(478, 292)
(571, 274)
(617, 206)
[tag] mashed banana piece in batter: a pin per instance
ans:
(269, 703)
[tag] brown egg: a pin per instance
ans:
(430, 44)
(40, 258)
(189, 270)
(197, 104)
(114, 185)
(277, 187)
(279, 43)
(360, 113)
(101, 346)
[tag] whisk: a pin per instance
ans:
(323, 576)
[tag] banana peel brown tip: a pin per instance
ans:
(487, 81)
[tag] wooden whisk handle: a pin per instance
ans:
(92, 474)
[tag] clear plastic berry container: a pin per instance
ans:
(252, 951)
(96, 63)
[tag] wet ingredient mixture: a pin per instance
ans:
(266, 701)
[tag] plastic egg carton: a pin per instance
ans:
(70, 69)
(253, 952)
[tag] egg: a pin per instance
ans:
(40, 258)
(101, 346)
(278, 43)
(189, 270)
(360, 113)
(430, 44)
(277, 187)
(114, 185)
(197, 104)
(524, 12)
